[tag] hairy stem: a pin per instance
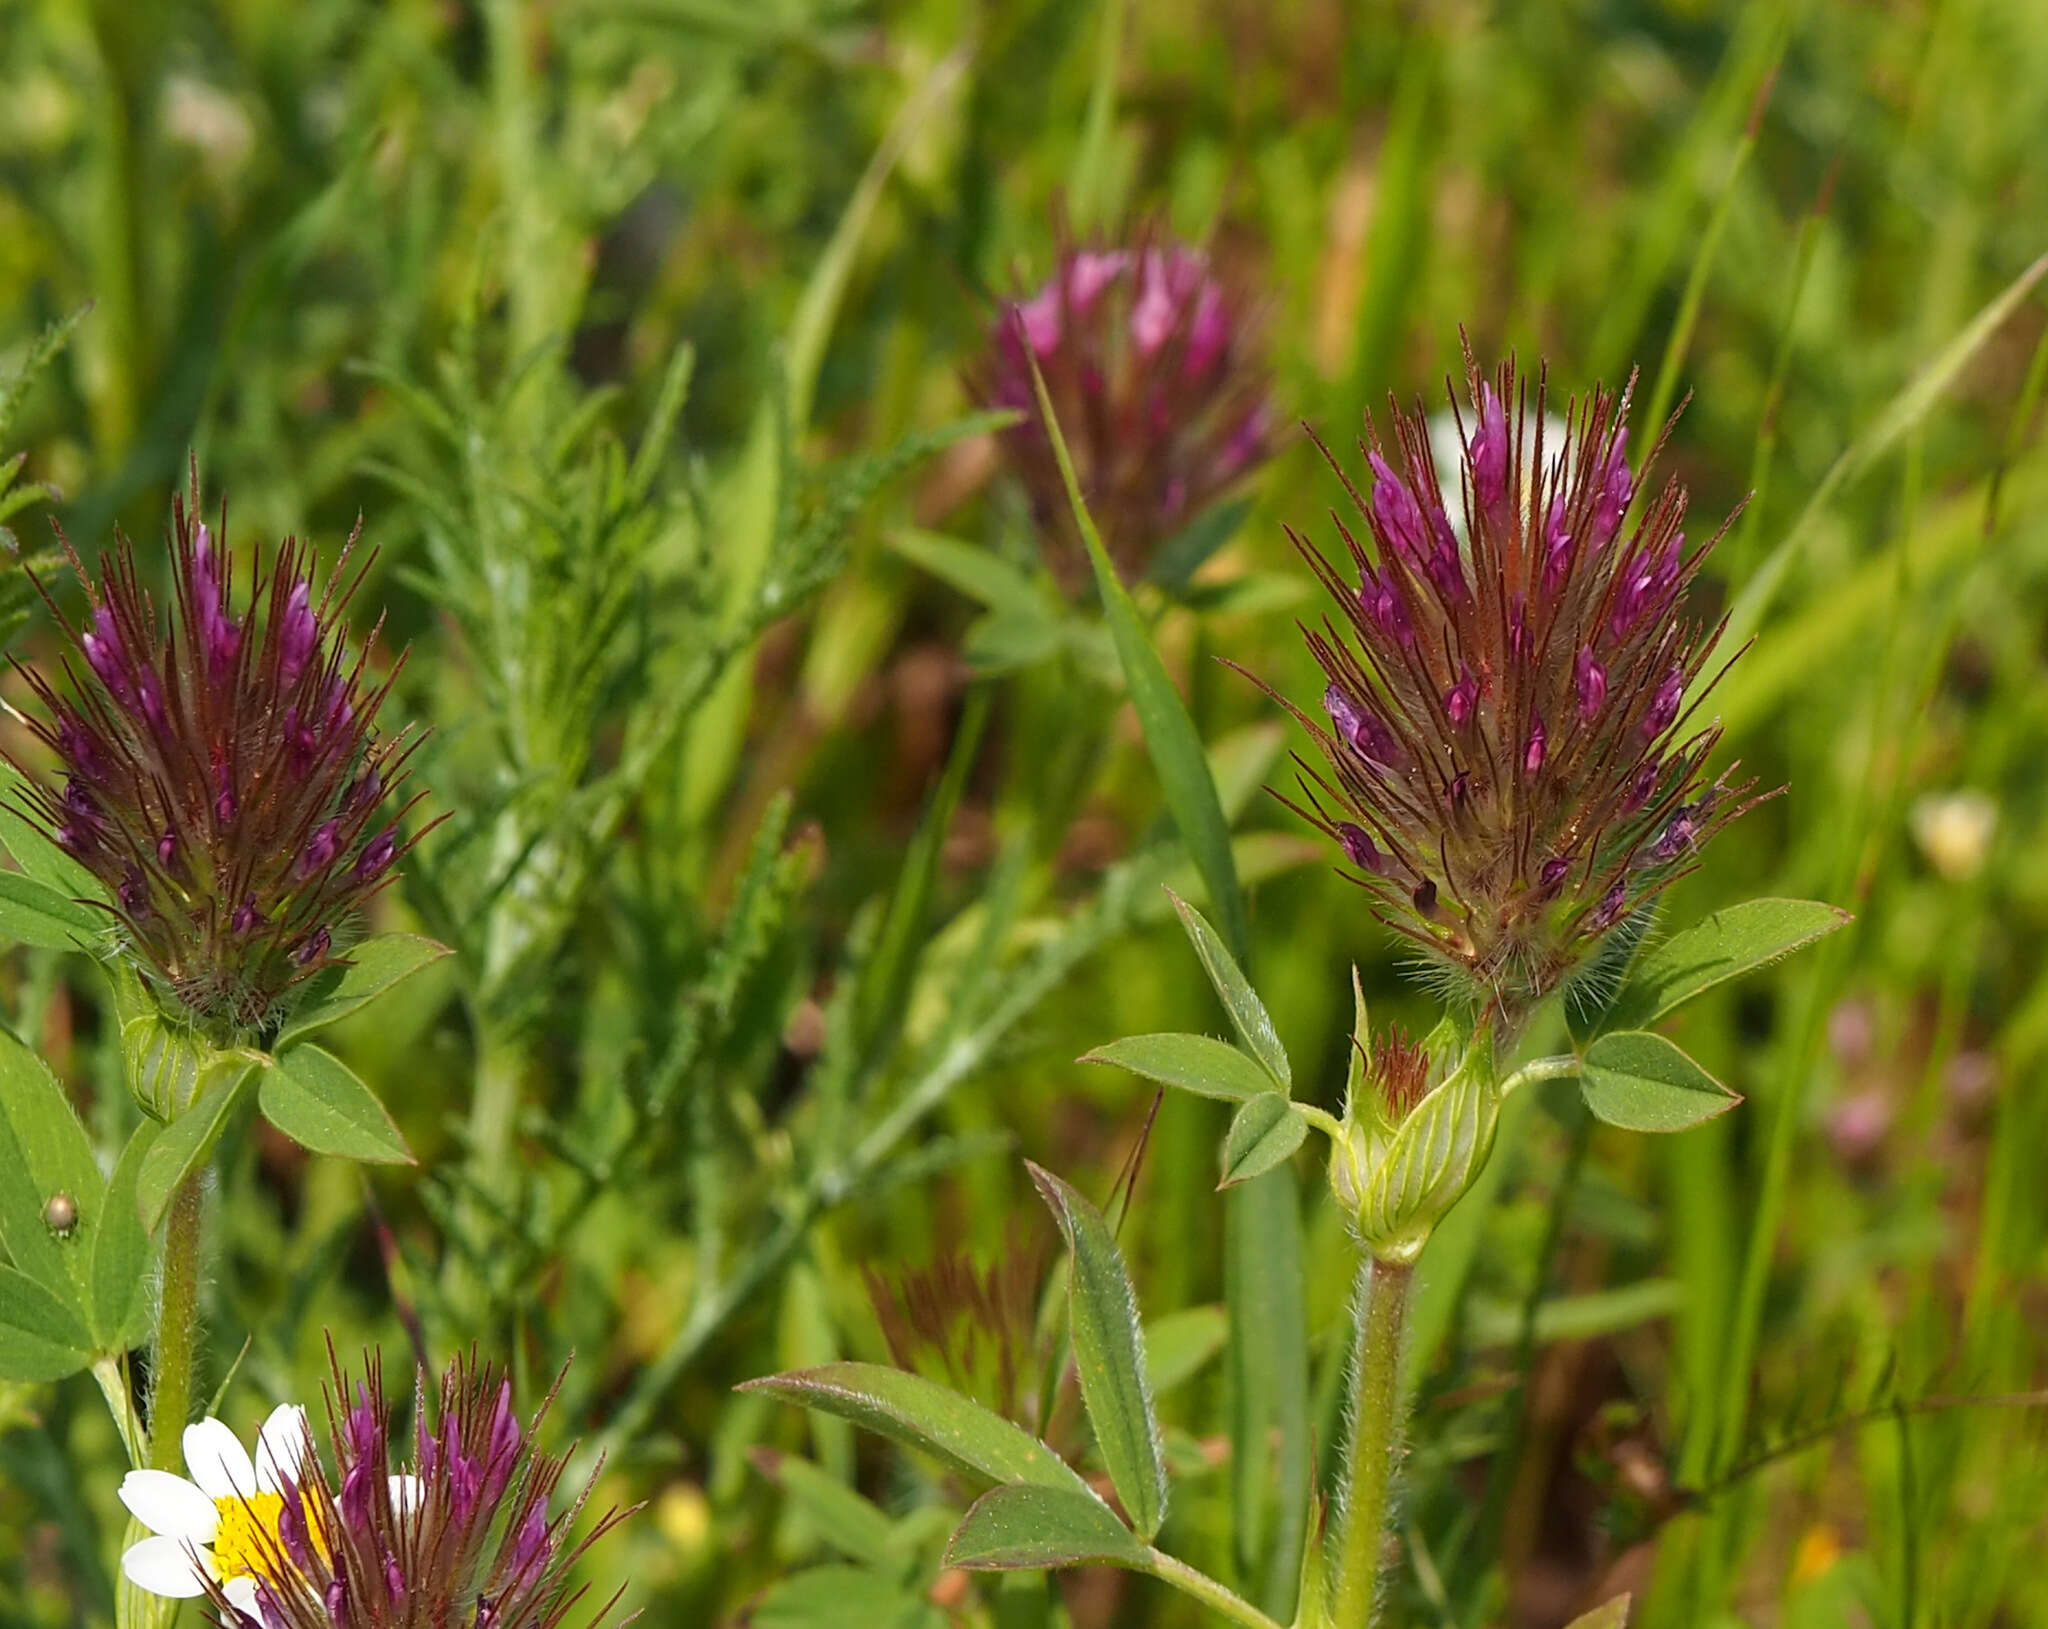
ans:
(177, 1327)
(1380, 1311)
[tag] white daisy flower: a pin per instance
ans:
(221, 1525)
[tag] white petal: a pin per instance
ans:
(241, 1594)
(408, 1493)
(281, 1448)
(163, 1566)
(217, 1461)
(169, 1505)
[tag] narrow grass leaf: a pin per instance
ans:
(1109, 1354)
(378, 964)
(1266, 1291)
(322, 1105)
(1189, 549)
(1004, 641)
(919, 1413)
(1177, 755)
(1179, 1345)
(850, 1524)
(981, 574)
(1263, 1133)
(1731, 942)
(1248, 1015)
(1900, 415)
(886, 979)
(1194, 1063)
(41, 1338)
(1641, 1082)
(1015, 1527)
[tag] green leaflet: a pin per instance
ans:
(1248, 1015)
(44, 1151)
(1263, 1133)
(1642, 1082)
(919, 1413)
(120, 1254)
(376, 965)
(34, 913)
(319, 1102)
(1109, 1354)
(1011, 1527)
(1194, 1063)
(1723, 946)
(41, 1338)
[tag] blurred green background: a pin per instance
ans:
(417, 262)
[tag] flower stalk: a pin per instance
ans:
(174, 1351)
(1380, 1315)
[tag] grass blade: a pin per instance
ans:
(1177, 755)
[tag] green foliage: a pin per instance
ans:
(920, 1414)
(1040, 1527)
(317, 1100)
(798, 834)
(1724, 946)
(1170, 735)
(1248, 1015)
(1195, 1063)
(1641, 1082)
(1109, 1354)
(33, 913)
(1264, 1132)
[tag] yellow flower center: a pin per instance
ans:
(247, 1543)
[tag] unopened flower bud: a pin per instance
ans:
(1401, 1168)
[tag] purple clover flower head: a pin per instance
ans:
(461, 1536)
(224, 778)
(1505, 715)
(1148, 357)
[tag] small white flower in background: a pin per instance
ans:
(1447, 448)
(1954, 830)
(211, 122)
(221, 1526)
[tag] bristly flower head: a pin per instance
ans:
(223, 776)
(1149, 361)
(459, 1537)
(1512, 770)
(970, 1326)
